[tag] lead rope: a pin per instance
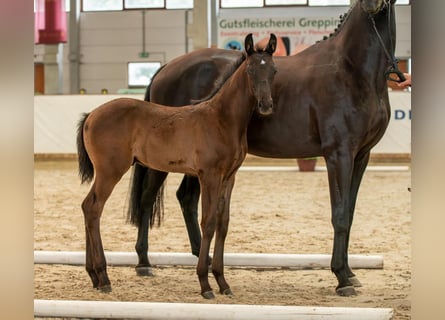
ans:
(393, 68)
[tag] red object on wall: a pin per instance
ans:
(50, 22)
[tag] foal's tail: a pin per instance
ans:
(86, 169)
(135, 208)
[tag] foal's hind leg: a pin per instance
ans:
(89, 260)
(92, 207)
(152, 183)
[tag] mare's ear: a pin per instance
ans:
(272, 45)
(248, 44)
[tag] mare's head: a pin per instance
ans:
(374, 6)
(261, 72)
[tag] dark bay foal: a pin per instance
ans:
(207, 140)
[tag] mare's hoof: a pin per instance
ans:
(355, 282)
(347, 291)
(208, 295)
(144, 271)
(105, 289)
(227, 292)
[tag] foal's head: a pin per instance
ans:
(261, 71)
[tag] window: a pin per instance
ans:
(284, 2)
(329, 2)
(265, 3)
(135, 4)
(241, 3)
(179, 4)
(102, 5)
(113, 5)
(140, 73)
(269, 3)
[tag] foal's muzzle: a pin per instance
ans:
(265, 107)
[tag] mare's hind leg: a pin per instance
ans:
(153, 181)
(360, 164)
(188, 197)
(92, 208)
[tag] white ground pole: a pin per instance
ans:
(257, 260)
(194, 311)
(317, 168)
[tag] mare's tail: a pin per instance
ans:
(134, 213)
(136, 202)
(86, 169)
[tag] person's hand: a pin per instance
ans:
(406, 83)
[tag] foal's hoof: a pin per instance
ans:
(208, 295)
(105, 289)
(355, 282)
(144, 271)
(347, 291)
(227, 292)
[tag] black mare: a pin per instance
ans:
(331, 100)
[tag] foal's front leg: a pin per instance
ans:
(222, 225)
(209, 202)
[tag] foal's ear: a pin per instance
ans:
(248, 44)
(272, 45)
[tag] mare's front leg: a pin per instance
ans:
(339, 166)
(360, 164)
(152, 183)
(222, 225)
(211, 189)
(92, 208)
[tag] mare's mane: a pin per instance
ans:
(343, 18)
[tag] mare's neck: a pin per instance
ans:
(360, 44)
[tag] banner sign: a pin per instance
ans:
(56, 118)
(294, 31)
(397, 138)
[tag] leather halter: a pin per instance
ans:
(393, 68)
